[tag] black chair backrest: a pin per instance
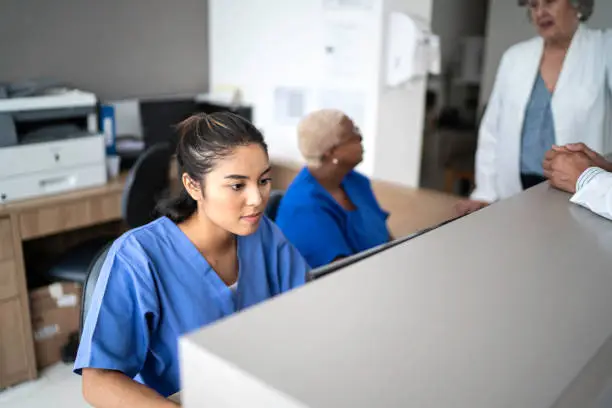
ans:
(147, 181)
(93, 273)
(272, 207)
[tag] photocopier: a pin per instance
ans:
(50, 142)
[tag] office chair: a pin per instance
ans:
(146, 182)
(70, 349)
(93, 273)
(273, 203)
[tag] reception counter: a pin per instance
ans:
(508, 307)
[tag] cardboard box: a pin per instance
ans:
(56, 313)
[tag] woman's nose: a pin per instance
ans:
(538, 11)
(254, 197)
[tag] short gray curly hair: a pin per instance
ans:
(584, 7)
(318, 132)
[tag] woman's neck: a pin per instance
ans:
(207, 237)
(329, 177)
(561, 43)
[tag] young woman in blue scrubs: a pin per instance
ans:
(211, 254)
(329, 211)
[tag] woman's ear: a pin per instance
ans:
(328, 155)
(192, 187)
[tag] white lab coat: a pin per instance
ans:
(596, 195)
(580, 105)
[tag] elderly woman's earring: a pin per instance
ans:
(335, 161)
(579, 16)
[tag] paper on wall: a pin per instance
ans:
(289, 105)
(351, 102)
(345, 54)
(348, 4)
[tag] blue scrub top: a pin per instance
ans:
(321, 229)
(155, 286)
(538, 129)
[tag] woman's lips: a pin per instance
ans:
(546, 24)
(252, 218)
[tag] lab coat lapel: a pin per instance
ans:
(522, 76)
(570, 63)
(527, 77)
(563, 90)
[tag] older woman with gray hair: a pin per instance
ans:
(551, 90)
(329, 211)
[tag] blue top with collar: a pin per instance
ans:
(538, 129)
(321, 229)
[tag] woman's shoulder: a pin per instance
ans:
(602, 38)
(268, 234)
(304, 191)
(359, 178)
(303, 183)
(135, 245)
(130, 259)
(518, 50)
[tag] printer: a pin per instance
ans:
(50, 142)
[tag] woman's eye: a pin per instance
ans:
(237, 187)
(265, 181)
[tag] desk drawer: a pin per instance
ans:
(68, 216)
(51, 156)
(50, 182)
(6, 239)
(8, 279)
(16, 352)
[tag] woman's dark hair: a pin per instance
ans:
(203, 140)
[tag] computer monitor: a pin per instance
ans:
(344, 262)
(242, 110)
(159, 117)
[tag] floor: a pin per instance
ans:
(56, 386)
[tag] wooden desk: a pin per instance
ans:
(36, 218)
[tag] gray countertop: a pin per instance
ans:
(502, 308)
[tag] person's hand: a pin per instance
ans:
(597, 159)
(563, 168)
(465, 207)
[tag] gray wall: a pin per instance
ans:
(508, 24)
(116, 48)
(454, 19)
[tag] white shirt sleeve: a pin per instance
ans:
(607, 147)
(594, 191)
(608, 53)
